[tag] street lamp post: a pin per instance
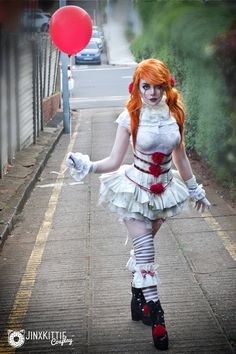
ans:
(65, 88)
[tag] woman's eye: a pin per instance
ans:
(146, 86)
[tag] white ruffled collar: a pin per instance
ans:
(155, 114)
(158, 106)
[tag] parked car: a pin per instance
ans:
(90, 54)
(97, 38)
(36, 20)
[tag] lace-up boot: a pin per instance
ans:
(159, 332)
(139, 308)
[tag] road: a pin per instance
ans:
(100, 86)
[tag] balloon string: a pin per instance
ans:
(59, 173)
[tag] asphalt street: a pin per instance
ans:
(100, 86)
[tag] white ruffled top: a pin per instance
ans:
(122, 190)
(158, 129)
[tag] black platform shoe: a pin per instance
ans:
(139, 308)
(159, 332)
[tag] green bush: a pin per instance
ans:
(187, 36)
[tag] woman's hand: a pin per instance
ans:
(79, 165)
(198, 194)
(202, 204)
(74, 160)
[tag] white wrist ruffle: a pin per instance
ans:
(93, 168)
(196, 190)
(197, 193)
(191, 183)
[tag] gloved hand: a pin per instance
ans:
(74, 160)
(202, 204)
(198, 194)
(79, 165)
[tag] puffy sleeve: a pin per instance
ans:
(124, 119)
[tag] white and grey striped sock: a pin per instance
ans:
(145, 253)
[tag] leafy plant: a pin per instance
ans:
(197, 40)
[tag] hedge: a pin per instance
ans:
(197, 40)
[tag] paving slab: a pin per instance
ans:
(18, 183)
(81, 285)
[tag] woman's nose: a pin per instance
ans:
(152, 90)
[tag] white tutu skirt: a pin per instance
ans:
(129, 201)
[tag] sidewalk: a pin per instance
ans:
(18, 183)
(68, 273)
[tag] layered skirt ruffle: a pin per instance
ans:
(121, 192)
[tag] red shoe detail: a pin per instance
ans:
(159, 331)
(145, 310)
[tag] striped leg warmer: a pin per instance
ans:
(145, 254)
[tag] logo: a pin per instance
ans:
(16, 338)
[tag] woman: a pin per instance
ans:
(146, 192)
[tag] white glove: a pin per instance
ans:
(202, 204)
(79, 165)
(198, 194)
(74, 159)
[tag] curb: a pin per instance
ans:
(23, 192)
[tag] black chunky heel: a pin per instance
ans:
(159, 332)
(134, 314)
(139, 308)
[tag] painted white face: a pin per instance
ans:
(151, 94)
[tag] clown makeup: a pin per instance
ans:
(151, 94)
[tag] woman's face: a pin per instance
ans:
(151, 94)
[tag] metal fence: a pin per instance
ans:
(29, 65)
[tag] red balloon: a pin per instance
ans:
(70, 29)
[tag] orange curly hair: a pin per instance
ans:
(154, 72)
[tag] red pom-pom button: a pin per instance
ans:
(158, 157)
(155, 170)
(157, 188)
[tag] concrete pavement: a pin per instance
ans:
(63, 267)
(18, 183)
